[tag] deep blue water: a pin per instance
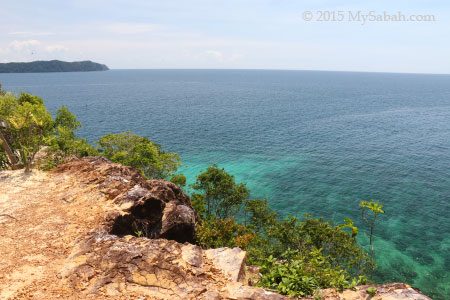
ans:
(317, 142)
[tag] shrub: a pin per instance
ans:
(140, 153)
(223, 233)
(301, 273)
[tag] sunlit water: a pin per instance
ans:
(317, 142)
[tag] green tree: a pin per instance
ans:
(223, 196)
(27, 124)
(259, 214)
(375, 208)
(64, 142)
(178, 179)
(140, 153)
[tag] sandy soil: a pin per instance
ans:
(35, 245)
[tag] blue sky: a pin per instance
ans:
(236, 34)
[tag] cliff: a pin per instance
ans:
(51, 66)
(70, 234)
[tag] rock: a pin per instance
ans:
(232, 261)
(388, 291)
(152, 208)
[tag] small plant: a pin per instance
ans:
(371, 291)
(318, 295)
(138, 233)
(376, 209)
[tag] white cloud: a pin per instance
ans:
(132, 28)
(21, 45)
(56, 48)
(214, 53)
(29, 50)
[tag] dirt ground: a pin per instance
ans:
(39, 223)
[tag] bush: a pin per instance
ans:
(298, 273)
(223, 233)
(140, 153)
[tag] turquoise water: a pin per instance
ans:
(317, 142)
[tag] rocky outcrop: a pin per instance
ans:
(74, 236)
(149, 208)
(163, 269)
(389, 291)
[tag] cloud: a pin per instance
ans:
(56, 48)
(214, 53)
(132, 28)
(21, 45)
(28, 50)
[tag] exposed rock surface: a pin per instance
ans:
(389, 291)
(73, 240)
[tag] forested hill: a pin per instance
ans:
(51, 66)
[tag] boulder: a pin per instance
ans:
(150, 208)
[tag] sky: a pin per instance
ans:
(231, 34)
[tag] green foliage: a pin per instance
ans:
(199, 203)
(64, 142)
(139, 153)
(304, 254)
(375, 208)
(371, 291)
(293, 234)
(29, 127)
(27, 124)
(178, 179)
(214, 233)
(223, 196)
(297, 273)
(260, 214)
(349, 224)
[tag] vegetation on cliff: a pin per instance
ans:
(26, 127)
(296, 256)
(51, 66)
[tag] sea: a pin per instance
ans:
(309, 141)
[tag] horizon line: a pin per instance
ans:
(264, 69)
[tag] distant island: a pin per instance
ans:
(51, 66)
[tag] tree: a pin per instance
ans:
(223, 196)
(261, 215)
(178, 179)
(140, 153)
(375, 208)
(27, 124)
(64, 142)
